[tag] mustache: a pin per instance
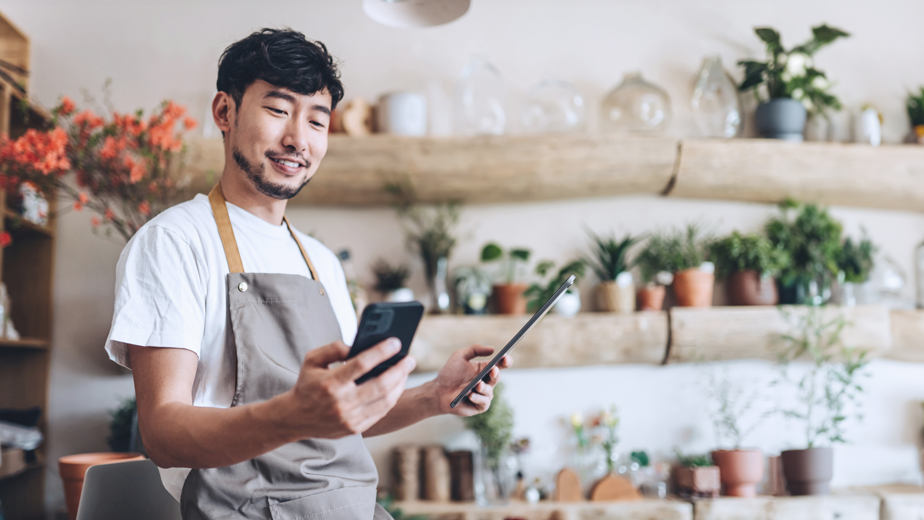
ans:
(289, 157)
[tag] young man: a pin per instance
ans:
(230, 319)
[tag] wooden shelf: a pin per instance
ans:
(16, 224)
(26, 343)
(14, 463)
(853, 506)
(667, 509)
(517, 168)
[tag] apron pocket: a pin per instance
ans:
(351, 503)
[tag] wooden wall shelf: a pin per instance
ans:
(862, 506)
(646, 509)
(33, 343)
(518, 168)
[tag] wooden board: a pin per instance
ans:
(586, 339)
(645, 509)
(767, 170)
(899, 501)
(612, 487)
(474, 170)
(720, 333)
(863, 507)
(907, 336)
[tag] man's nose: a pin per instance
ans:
(296, 136)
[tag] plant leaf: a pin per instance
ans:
(491, 252)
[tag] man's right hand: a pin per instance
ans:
(325, 403)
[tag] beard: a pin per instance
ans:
(257, 176)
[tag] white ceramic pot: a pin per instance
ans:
(401, 295)
(569, 304)
(402, 113)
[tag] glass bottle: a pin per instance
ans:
(715, 104)
(479, 100)
(553, 106)
(636, 106)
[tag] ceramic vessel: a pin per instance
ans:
(750, 288)
(400, 295)
(72, 469)
(782, 118)
(402, 113)
(651, 298)
(509, 299)
(715, 104)
(809, 471)
(569, 304)
(740, 471)
(693, 288)
(636, 106)
(698, 482)
(613, 297)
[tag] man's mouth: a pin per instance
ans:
(287, 163)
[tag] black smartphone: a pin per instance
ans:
(384, 320)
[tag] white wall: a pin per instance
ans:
(169, 49)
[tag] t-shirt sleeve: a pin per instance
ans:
(159, 295)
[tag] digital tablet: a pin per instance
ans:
(516, 339)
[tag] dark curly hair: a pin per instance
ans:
(281, 57)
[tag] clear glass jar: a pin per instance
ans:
(715, 104)
(553, 106)
(479, 100)
(636, 106)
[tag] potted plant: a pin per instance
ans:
(570, 303)
(855, 263)
(740, 469)
(696, 476)
(654, 267)
(791, 83)
(824, 395)
(748, 263)
(915, 107)
(494, 429)
(391, 280)
(508, 293)
(683, 252)
(812, 240)
(610, 262)
(473, 287)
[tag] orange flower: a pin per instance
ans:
(136, 173)
(5, 239)
(109, 215)
(67, 106)
(84, 198)
(144, 208)
(94, 221)
(78, 206)
(190, 123)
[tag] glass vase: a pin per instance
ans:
(437, 271)
(494, 479)
(479, 99)
(553, 106)
(636, 106)
(715, 104)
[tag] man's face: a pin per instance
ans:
(278, 137)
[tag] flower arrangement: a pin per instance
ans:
(121, 167)
(607, 421)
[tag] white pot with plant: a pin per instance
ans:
(610, 262)
(854, 262)
(391, 280)
(570, 303)
(825, 395)
(473, 287)
(787, 84)
(507, 290)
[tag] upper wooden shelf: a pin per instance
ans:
(518, 168)
(29, 343)
(15, 223)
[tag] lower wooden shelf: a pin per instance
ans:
(853, 506)
(646, 509)
(13, 463)
(33, 343)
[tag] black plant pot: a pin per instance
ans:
(791, 294)
(808, 472)
(781, 119)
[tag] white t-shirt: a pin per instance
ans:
(171, 292)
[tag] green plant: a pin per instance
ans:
(856, 260)
(610, 256)
(738, 253)
(694, 461)
(672, 251)
(494, 427)
(791, 74)
(832, 382)
(811, 238)
(389, 278)
(538, 294)
(120, 426)
(641, 457)
(732, 404)
(509, 260)
(429, 230)
(608, 420)
(471, 280)
(915, 106)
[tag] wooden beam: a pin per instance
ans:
(646, 509)
(863, 507)
(907, 336)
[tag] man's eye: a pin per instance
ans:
(318, 124)
(276, 110)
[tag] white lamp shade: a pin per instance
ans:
(415, 13)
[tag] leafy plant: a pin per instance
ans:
(831, 384)
(389, 277)
(538, 294)
(610, 256)
(641, 457)
(694, 461)
(672, 251)
(608, 420)
(494, 427)
(120, 426)
(856, 260)
(791, 74)
(471, 280)
(737, 253)
(732, 404)
(811, 237)
(915, 106)
(509, 260)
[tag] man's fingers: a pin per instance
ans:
(322, 357)
(481, 402)
(368, 359)
(506, 362)
(476, 351)
(492, 376)
(386, 382)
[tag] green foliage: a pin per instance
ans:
(915, 107)
(791, 74)
(737, 253)
(494, 427)
(641, 457)
(120, 426)
(538, 294)
(388, 504)
(509, 260)
(832, 384)
(673, 251)
(812, 239)
(429, 230)
(389, 278)
(471, 280)
(856, 260)
(694, 461)
(610, 256)
(732, 404)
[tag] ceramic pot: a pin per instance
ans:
(693, 288)
(73, 468)
(749, 288)
(740, 471)
(402, 113)
(699, 482)
(781, 119)
(808, 472)
(569, 304)
(611, 297)
(651, 298)
(509, 299)
(400, 295)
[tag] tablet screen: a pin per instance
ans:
(516, 339)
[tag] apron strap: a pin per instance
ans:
(226, 232)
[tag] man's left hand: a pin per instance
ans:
(458, 372)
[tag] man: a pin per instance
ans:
(230, 319)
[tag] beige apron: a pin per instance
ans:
(275, 319)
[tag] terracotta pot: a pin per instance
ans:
(651, 298)
(700, 482)
(749, 288)
(693, 288)
(808, 472)
(613, 298)
(73, 468)
(509, 299)
(740, 471)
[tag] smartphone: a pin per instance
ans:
(384, 320)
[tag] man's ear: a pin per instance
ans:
(223, 111)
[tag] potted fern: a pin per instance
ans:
(683, 252)
(695, 476)
(610, 262)
(507, 290)
(748, 264)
